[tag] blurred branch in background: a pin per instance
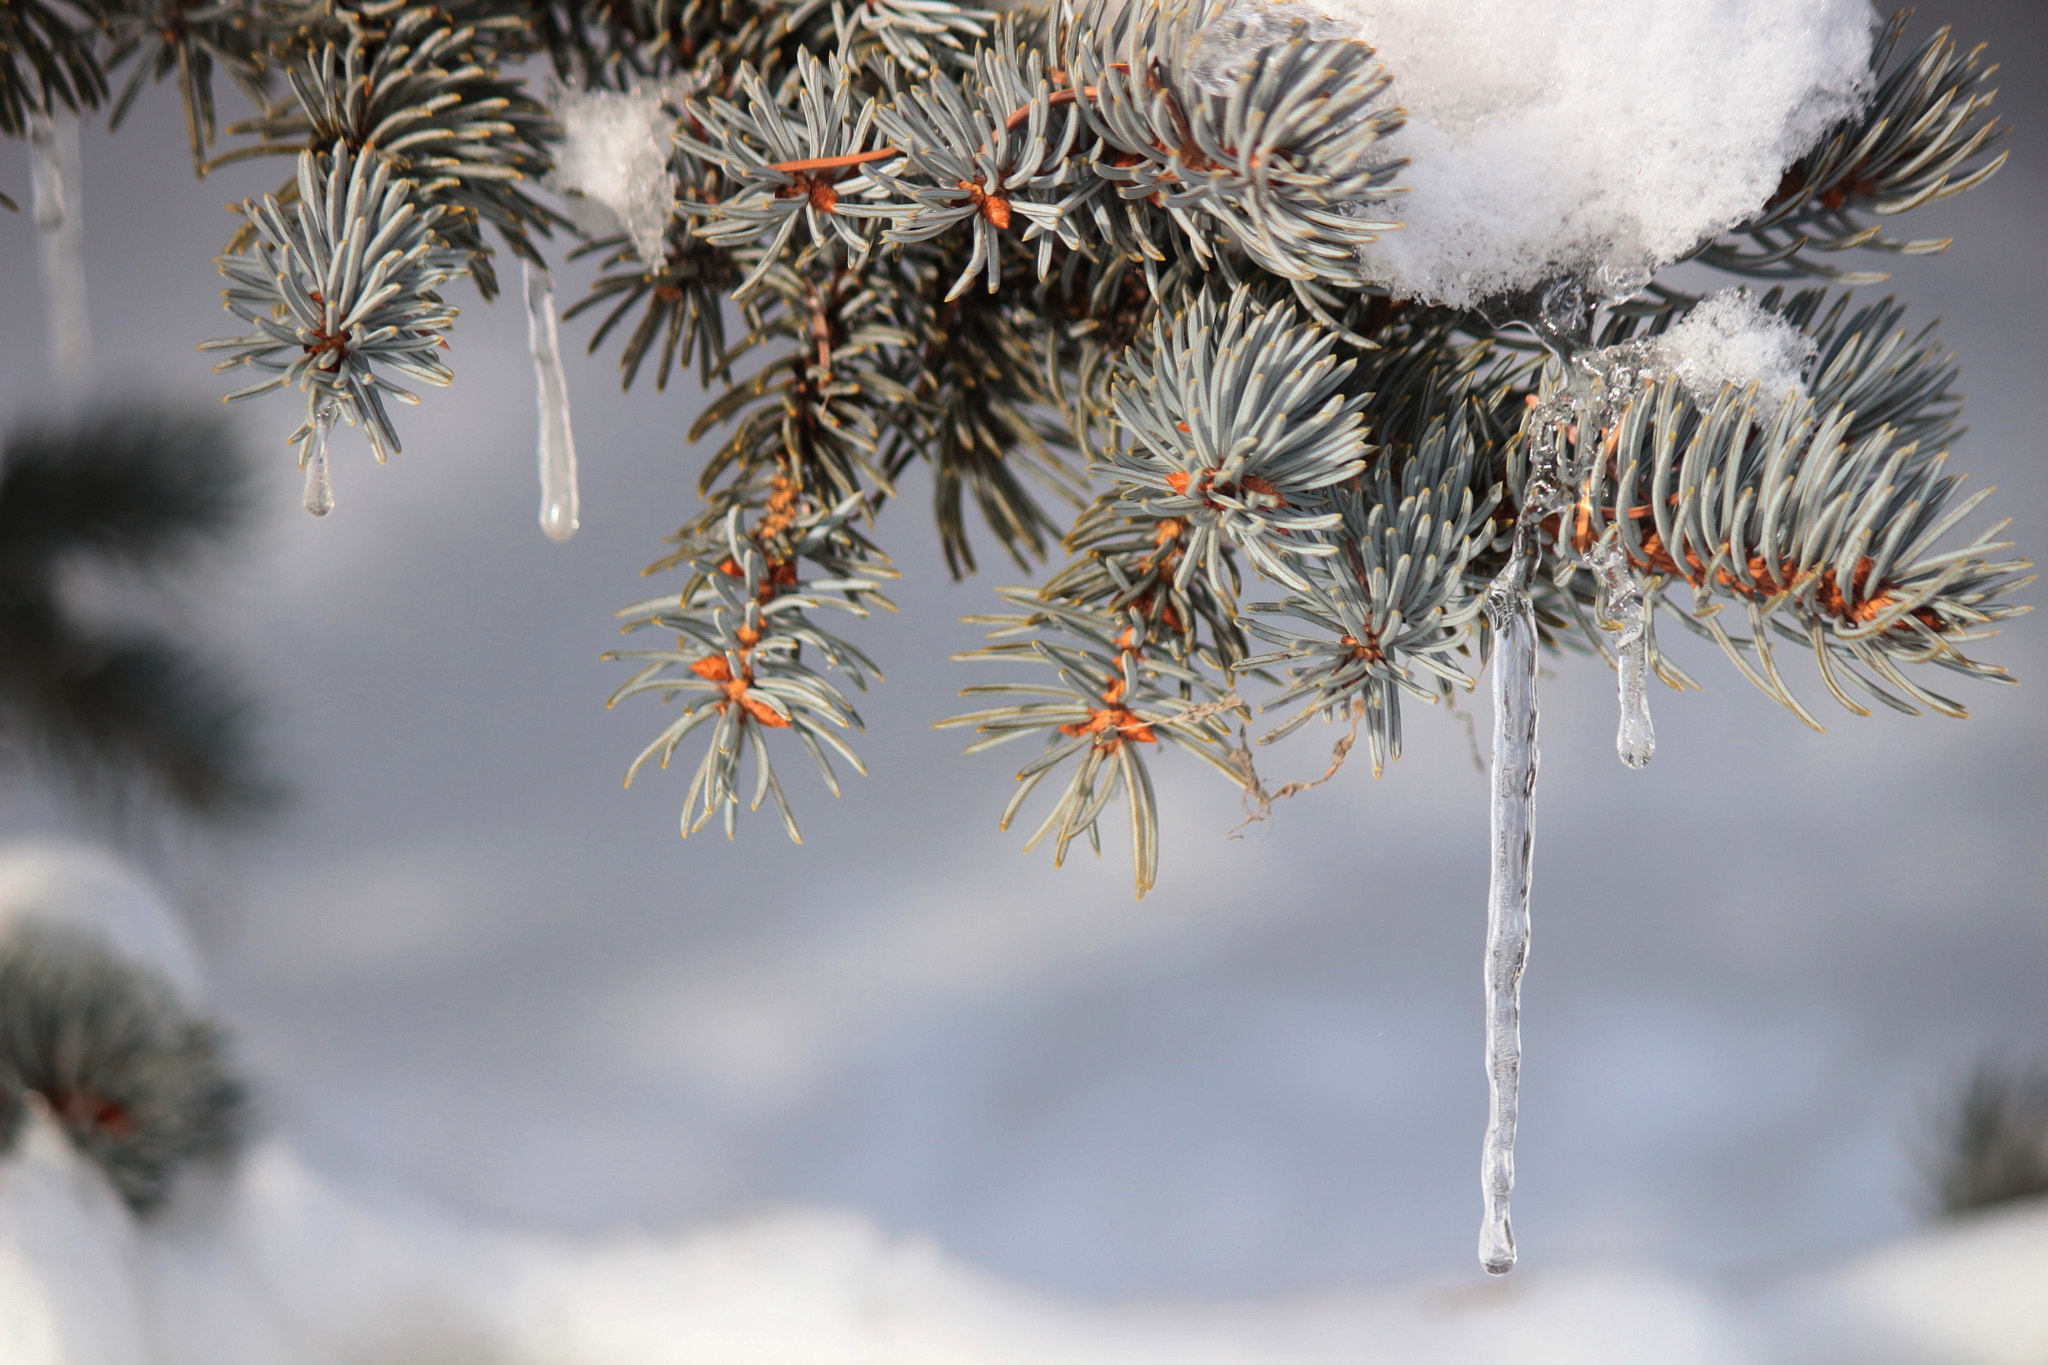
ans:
(113, 712)
(1995, 1146)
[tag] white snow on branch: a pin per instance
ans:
(1599, 138)
(1731, 339)
(612, 169)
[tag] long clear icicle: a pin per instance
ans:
(1567, 444)
(1512, 617)
(54, 177)
(558, 497)
(319, 482)
(1511, 620)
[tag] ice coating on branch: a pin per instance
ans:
(1601, 138)
(558, 495)
(1732, 339)
(1242, 29)
(54, 177)
(1596, 390)
(612, 168)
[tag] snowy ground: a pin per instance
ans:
(270, 1260)
(276, 1263)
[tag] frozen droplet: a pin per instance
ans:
(1512, 618)
(319, 483)
(54, 178)
(1564, 313)
(1622, 602)
(558, 496)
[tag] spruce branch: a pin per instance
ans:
(1393, 612)
(115, 713)
(422, 93)
(738, 667)
(1272, 158)
(921, 36)
(1240, 424)
(140, 1084)
(981, 152)
(1113, 698)
(1096, 239)
(190, 41)
(1817, 535)
(684, 305)
(982, 417)
(1995, 1144)
(48, 61)
(1925, 136)
(339, 287)
(791, 156)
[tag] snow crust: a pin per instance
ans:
(613, 165)
(1600, 138)
(281, 1263)
(1729, 338)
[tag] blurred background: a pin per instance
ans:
(462, 960)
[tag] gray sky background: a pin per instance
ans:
(466, 961)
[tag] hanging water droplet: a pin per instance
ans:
(319, 484)
(558, 494)
(54, 178)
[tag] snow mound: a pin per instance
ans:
(613, 164)
(1731, 339)
(77, 884)
(1599, 138)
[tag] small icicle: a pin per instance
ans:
(319, 484)
(1622, 602)
(54, 176)
(1512, 617)
(558, 498)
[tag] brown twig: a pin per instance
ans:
(1258, 800)
(833, 163)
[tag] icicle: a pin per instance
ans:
(319, 484)
(558, 499)
(1599, 386)
(1512, 617)
(1622, 602)
(1567, 442)
(1611, 379)
(54, 177)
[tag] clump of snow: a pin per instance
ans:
(612, 168)
(1732, 339)
(1597, 138)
